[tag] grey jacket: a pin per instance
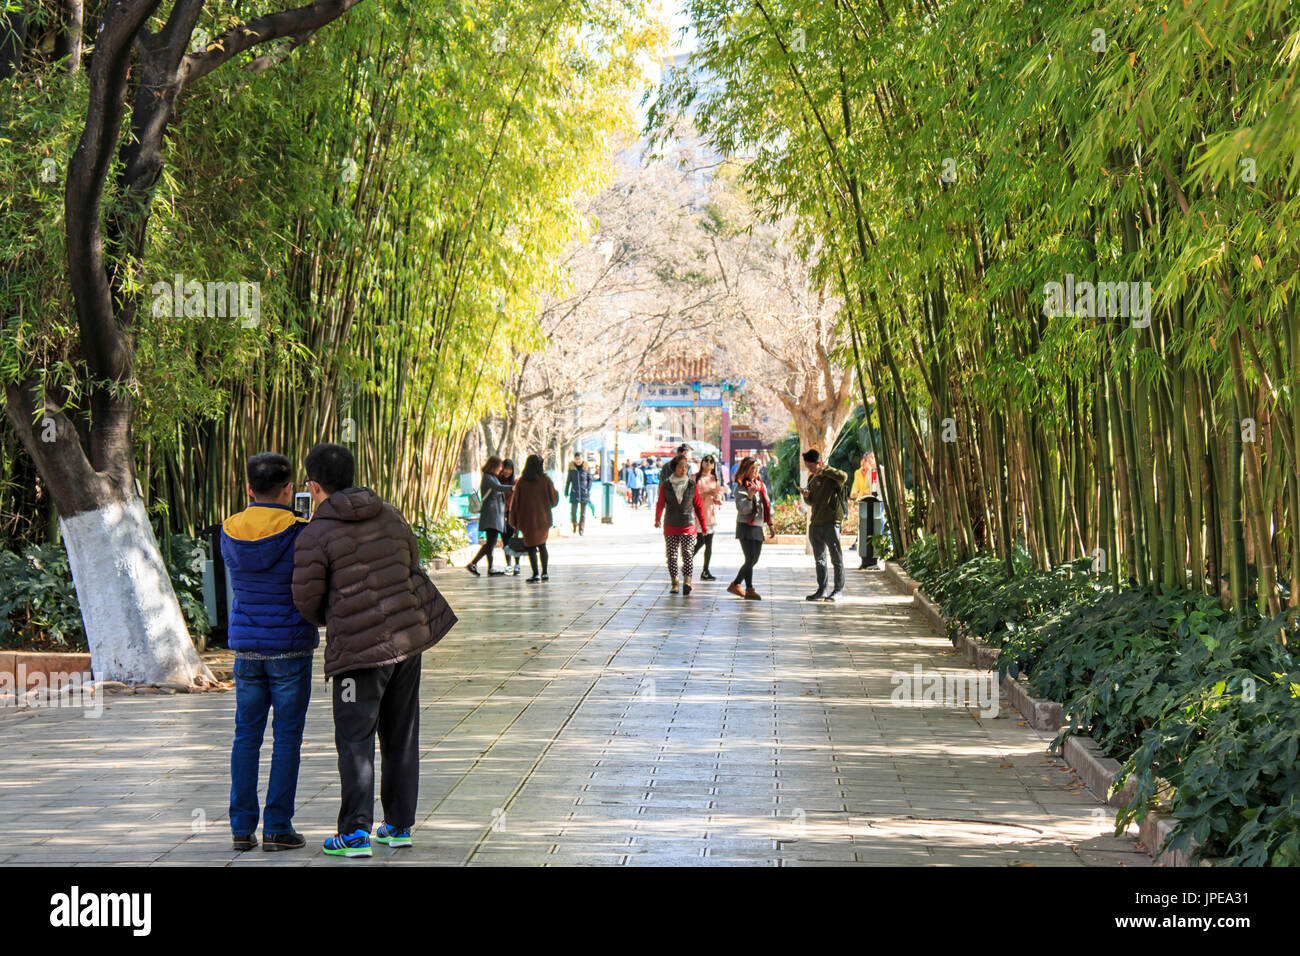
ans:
(493, 493)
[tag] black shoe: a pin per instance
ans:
(814, 597)
(471, 569)
(242, 843)
(545, 576)
(495, 574)
(706, 576)
(686, 589)
(293, 840)
(534, 579)
(833, 596)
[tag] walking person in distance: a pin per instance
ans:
(492, 516)
(678, 508)
(711, 496)
(753, 511)
(530, 512)
(577, 488)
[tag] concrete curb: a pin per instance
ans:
(928, 609)
(1041, 713)
(1097, 770)
(1079, 752)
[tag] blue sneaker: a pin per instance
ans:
(392, 836)
(353, 844)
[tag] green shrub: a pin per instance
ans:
(1223, 736)
(184, 560)
(1203, 710)
(442, 535)
(980, 598)
(37, 599)
(1112, 663)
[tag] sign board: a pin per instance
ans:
(685, 394)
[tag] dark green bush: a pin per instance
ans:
(981, 598)
(1203, 709)
(38, 601)
(1223, 736)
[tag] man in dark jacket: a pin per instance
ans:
(577, 487)
(357, 570)
(825, 495)
(274, 647)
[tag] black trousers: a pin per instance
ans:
(533, 551)
(385, 700)
(751, 550)
(705, 541)
(489, 545)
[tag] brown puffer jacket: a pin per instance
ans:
(356, 569)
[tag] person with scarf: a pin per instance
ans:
(678, 506)
(753, 510)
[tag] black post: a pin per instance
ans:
(868, 509)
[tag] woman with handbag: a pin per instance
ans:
(753, 510)
(492, 514)
(531, 504)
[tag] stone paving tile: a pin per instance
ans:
(600, 721)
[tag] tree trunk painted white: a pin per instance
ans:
(134, 624)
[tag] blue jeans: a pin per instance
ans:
(284, 685)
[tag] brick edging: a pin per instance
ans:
(1081, 753)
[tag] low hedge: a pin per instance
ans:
(1202, 708)
(38, 602)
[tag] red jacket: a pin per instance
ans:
(679, 512)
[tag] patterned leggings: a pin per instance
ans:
(686, 544)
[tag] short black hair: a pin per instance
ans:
(268, 473)
(332, 467)
(683, 448)
(812, 455)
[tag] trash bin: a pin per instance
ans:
(870, 521)
(218, 598)
(608, 503)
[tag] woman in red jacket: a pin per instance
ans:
(680, 499)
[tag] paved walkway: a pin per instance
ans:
(599, 719)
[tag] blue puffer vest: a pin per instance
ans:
(257, 546)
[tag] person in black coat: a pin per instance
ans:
(578, 489)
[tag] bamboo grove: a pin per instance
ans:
(403, 188)
(1065, 236)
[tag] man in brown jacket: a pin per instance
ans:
(357, 571)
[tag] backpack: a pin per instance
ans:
(475, 503)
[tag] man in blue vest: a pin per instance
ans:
(274, 646)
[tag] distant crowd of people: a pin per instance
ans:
(687, 498)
